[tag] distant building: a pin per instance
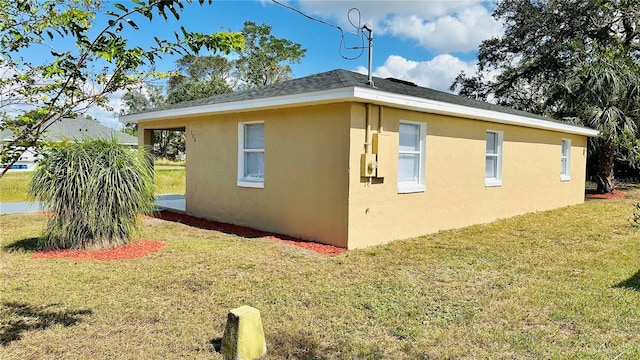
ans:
(73, 129)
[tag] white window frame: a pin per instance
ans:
(243, 181)
(497, 180)
(565, 175)
(406, 187)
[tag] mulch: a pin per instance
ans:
(248, 232)
(143, 247)
(591, 194)
(134, 250)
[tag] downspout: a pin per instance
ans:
(367, 130)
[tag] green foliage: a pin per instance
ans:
(199, 77)
(87, 62)
(136, 99)
(602, 90)
(146, 96)
(95, 189)
(265, 59)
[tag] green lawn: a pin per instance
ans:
(169, 179)
(556, 284)
(14, 187)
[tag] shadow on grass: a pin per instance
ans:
(631, 283)
(216, 344)
(296, 345)
(289, 346)
(19, 318)
(24, 245)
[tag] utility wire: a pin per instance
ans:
(342, 44)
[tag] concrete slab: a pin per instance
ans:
(21, 207)
(173, 202)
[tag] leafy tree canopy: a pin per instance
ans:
(577, 60)
(265, 59)
(88, 60)
(199, 77)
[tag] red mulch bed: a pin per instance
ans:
(591, 194)
(133, 250)
(248, 232)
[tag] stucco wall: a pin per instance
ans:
(456, 194)
(306, 171)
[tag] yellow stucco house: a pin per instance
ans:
(333, 159)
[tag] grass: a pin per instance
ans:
(14, 186)
(556, 284)
(169, 179)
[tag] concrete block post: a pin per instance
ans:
(243, 335)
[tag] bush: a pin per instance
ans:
(95, 189)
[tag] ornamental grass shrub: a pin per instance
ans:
(95, 190)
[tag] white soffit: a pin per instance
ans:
(318, 97)
(444, 108)
(361, 94)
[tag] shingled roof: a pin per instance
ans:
(326, 82)
(78, 129)
(338, 79)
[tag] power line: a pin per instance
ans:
(342, 44)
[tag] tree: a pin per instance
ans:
(144, 97)
(604, 93)
(95, 189)
(65, 82)
(167, 143)
(534, 63)
(265, 59)
(198, 77)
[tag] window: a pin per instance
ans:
(493, 163)
(411, 156)
(251, 154)
(565, 160)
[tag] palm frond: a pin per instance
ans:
(95, 189)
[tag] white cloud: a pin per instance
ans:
(462, 31)
(437, 73)
(108, 117)
(14, 104)
(442, 25)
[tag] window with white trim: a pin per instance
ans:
(251, 154)
(411, 156)
(565, 160)
(493, 159)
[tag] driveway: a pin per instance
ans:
(173, 202)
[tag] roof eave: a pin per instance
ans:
(362, 94)
(318, 97)
(444, 108)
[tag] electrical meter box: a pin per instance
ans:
(368, 165)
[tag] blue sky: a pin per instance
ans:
(428, 42)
